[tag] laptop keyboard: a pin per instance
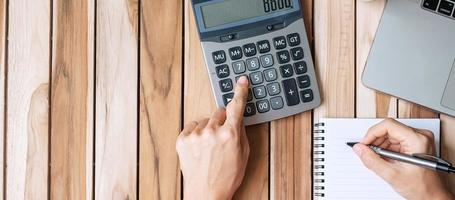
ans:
(443, 7)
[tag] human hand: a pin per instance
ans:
(410, 181)
(214, 152)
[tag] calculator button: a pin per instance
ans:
(270, 75)
(279, 42)
(235, 53)
(250, 95)
(294, 39)
(303, 81)
(291, 92)
(446, 7)
(283, 57)
(297, 53)
(250, 110)
(300, 67)
(222, 71)
(256, 78)
(249, 49)
(273, 89)
(259, 92)
(277, 103)
(307, 95)
(267, 60)
(431, 4)
(252, 64)
(219, 57)
(263, 46)
(263, 106)
(227, 98)
(239, 67)
(286, 71)
(226, 85)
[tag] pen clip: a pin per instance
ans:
(431, 157)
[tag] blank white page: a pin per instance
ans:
(345, 177)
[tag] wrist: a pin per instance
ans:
(200, 192)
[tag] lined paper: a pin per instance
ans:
(345, 175)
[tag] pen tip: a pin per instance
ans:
(351, 144)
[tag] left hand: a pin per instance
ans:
(214, 152)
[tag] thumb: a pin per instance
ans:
(374, 162)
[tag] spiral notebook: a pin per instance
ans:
(338, 172)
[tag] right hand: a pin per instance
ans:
(410, 181)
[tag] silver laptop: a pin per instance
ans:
(413, 55)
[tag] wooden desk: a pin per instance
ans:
(94, 94)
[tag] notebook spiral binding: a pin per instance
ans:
(318, 161)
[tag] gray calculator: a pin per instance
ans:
(266, 41)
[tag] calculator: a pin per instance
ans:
(266, 41)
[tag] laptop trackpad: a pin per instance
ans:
(448, 100)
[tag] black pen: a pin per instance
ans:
(423, 160)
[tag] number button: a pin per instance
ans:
(291, 93)
(239, 67)
(279, 42)
(270, 75)
(300, 67)
(219, 57)
(294, 39)
(303, 81)
(256, 78)
(249, 49)
(222, 71)
(227, 98)
(283, 57)
(263, 46)
(297, 53)
(286, 71)
(267, 60)
(277, 103)
(259, 92)
(250, 110)
(235, 53)
(250, 95)
(226, 85)
(273, 89)
(307, 95)
(252, 64)
(263, 106)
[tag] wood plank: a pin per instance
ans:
(199, 103)
(407, 109)
(291, 149)
(71, 101)
(28, 99)
(116, 99)
(160, 98)
(369, 104)
(334, 26)
(448, 145)
(2, 89)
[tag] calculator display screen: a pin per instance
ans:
(230, 11)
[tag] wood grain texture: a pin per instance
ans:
(70, 101)
(28, 99)
(199, 103)
(407, 109)
(160, 98)
(448, 145)
(116, 99)
(334, 27)
(2, 89)
(369, 103)
(291, 139)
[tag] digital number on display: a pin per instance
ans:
(274, 5)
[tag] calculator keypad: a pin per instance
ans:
(264, 69)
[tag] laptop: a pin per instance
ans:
(413, 54)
